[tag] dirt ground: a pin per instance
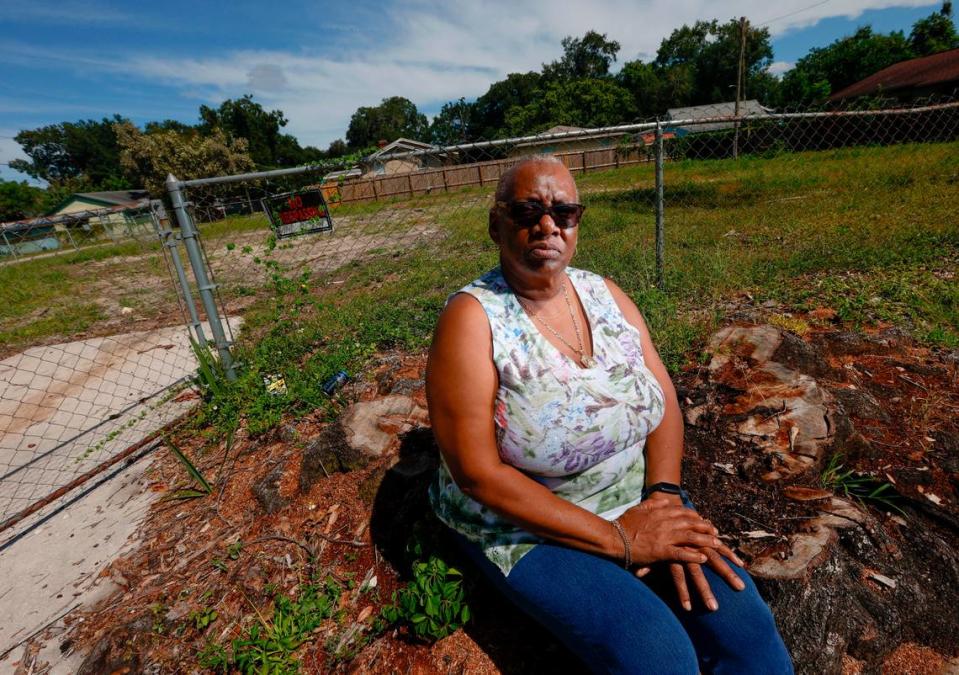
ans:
(354, 525)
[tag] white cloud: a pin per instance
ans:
(780, 67)
(439, 51)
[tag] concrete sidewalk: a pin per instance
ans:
(66, 408)
(55, 568)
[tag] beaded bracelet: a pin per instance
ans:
(627, 554)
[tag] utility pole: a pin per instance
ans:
(739, 81)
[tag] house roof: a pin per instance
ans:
(400, 145)
(926, 71)
(343, 173)
(126, 199)
(547, 137)
(750, 108)
(560, 129)
(72, 217)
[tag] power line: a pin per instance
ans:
(798, 11)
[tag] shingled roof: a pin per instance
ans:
(924, 72)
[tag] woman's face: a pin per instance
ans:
(541, 247)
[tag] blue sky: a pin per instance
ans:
(319, 61)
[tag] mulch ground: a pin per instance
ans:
(351, 527)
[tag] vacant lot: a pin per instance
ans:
(871, 232)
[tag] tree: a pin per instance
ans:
(337, 148)
(148, 158)
(586, 57)
(245, 118)
(454, 123)
(86, 150)
(19, 200)
(169, 125)
(395, 117)
(704, 58)
(582, 103)
(489, 110)
(936, 33)
(646, 85)
(825, 70)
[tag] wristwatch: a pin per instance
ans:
(668, 488)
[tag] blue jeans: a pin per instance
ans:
(617, 623)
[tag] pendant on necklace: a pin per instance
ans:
(587, 361)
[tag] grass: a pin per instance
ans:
(871, 232)
(51, 296)
(861, 487)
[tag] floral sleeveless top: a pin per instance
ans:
(581, 432)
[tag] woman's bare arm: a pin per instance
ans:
(664, 446)
(461, 389)
(664, 457)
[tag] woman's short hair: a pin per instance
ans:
(504, 188)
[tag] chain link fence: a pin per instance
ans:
(681, 212)
(732, 202)
(851, 211)
(93, 354)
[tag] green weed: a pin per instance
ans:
(201, 618)
(433, 604)
(269, 645)
(861, 487)
(200, 487)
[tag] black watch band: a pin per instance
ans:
(668, 488)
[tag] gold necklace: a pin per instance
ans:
(585, 359)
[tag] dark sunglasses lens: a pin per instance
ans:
(567, 215)
(526, 213)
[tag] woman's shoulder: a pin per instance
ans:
(602, 288)
(590, 278)
(490, 290)
(490, 282)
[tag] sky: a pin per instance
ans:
(66, 60)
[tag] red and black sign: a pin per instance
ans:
(294, 213)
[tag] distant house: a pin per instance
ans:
(915, 78)
(389, 159)
(113, 199)
(584, 141)
(114, 210)
(82, 217)
(750, 108)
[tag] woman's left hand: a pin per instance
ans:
(715, 559)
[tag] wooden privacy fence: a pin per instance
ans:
(457, 176)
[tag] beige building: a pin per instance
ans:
(583, 142)
(114, 210)
(384, 161)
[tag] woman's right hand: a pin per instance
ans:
(660, 531)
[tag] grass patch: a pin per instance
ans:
(871, 232)
(53, 296)
(808, 230)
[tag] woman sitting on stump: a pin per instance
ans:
(552, 411)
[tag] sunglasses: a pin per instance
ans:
(528, 213)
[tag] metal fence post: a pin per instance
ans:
(660, 236)
(171, 242)
(66, 229)
(189, 235)
(13, 251)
